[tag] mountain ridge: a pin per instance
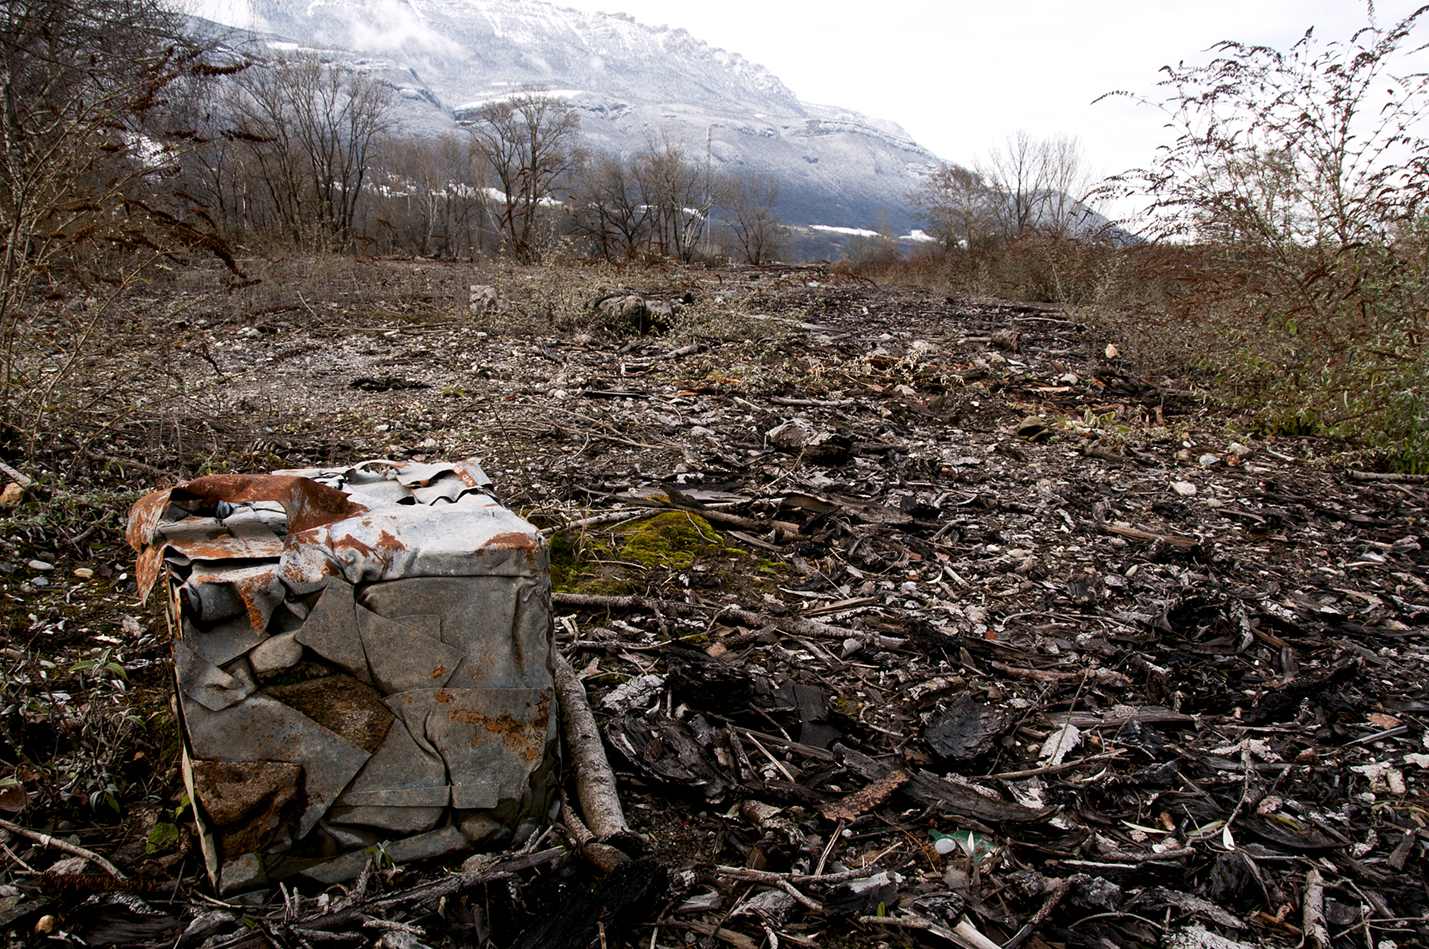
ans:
(632, 84)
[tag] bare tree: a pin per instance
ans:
(752, 199)
(683, 194)
(428, 198)
(611, 206)
(309, 126)
(1037, 185)
(530, 143)
(1067, 187)
(958, 208)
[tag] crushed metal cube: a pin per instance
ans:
(363, 662)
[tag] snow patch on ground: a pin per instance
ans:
(858, 231)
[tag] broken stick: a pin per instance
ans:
(45, 840)
(595, 781)
(603, 857)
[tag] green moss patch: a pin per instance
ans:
(675, 540)
(622, 560)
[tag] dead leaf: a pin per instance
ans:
(862, 801)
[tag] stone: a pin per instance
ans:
(491, 739)
(242, 874)
(395, 820)
(1008, 340)
(248, 800)
(342, 704)
(275, 654)
(401, 773)
(481, 828)
(437, 843)
(482, 299)
(407, 652)
(207, 684)
(1033, 429)
(260, 728)
(225, 642)
(331, 630)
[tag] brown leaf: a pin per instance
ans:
(13, 799)
(861, 801)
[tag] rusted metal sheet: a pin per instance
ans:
(378, 637)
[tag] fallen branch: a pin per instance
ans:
(613, 517)
(794, 625)
(1059, 890)
(497, 869)
(780, 880)
(774, 879)
(603, 857)
(1133, 533)
(1390, 476)
(964, 934)
(785, 529)
(45, 840)
(737, 939)
(595, 781)
(1312, 913)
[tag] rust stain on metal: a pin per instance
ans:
(226, 548)
(385, 541)
(526, 543)
(525, 737)
(348, 542)
(248, 589)
(308, 505)
(512, 541)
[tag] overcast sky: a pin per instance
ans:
(962, 75)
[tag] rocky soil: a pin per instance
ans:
(906, 619)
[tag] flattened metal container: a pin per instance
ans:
(362, 659)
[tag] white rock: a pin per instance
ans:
(276, 653)
(1184, 488)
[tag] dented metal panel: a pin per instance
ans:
(376, 636)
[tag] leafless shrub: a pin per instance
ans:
(1298, 177)
(88, 207)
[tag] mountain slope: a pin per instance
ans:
(632, 83)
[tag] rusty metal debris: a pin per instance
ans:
(362, 658)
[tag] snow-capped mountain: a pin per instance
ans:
(632, 83)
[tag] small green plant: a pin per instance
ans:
(163, 837)
(100, 660)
